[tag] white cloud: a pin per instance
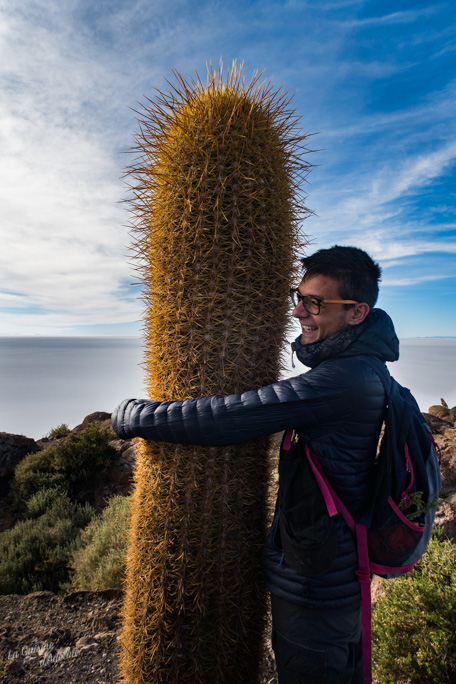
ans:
(367, 208)
(406, 282)
(63, 322)
(62, 232)
(416, 119)
(401, 17)
(422, 169)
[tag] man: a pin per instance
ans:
(336, 409)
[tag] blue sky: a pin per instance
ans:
(374, 79)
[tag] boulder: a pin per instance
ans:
(13, 448)
(102, 418)
(437, 425)
(442, 412)
(96, 417)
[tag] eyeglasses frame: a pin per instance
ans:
(294, 293)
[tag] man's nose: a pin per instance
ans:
(299, 311)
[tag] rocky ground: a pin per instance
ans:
(66, 640)
(73, 639)
(45, 638)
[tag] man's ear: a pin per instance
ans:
(358, 313)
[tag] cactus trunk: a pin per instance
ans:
(216, 206)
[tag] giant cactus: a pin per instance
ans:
(217, 190)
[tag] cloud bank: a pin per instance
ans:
(375, 82)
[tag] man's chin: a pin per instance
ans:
(308, 338)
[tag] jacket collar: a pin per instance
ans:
(375, 336)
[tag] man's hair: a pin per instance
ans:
(357, 274)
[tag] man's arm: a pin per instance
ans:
(234, 418)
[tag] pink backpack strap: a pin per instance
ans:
(363, 573)
(364, 577)
(323, 484)
(341, 508)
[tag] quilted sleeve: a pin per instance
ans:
(235, 418)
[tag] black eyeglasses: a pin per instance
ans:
(313, 304)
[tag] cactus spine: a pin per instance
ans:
(216, 211)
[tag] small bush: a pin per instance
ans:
(36, 471)
(34, 554)
(68, 464)
(414, 623)
(99, 560)
(83, 455)
(44, 499)
(60, 431)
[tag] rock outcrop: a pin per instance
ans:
(13, 448)
(444, 412)
(441, 420)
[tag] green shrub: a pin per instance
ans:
(68, 464)
(34, 554)
(36, 471)
(59, 431)
(44, 499)
(83, 455)
(99, 560)
(414, 623)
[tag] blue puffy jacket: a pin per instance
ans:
(337, 408)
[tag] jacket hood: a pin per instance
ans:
(375, 336)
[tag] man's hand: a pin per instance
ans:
(125, 418)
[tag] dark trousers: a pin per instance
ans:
(316, 646)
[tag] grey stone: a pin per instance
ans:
(13, 448)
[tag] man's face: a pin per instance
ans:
(332, 317)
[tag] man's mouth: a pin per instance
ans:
(308, 328)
